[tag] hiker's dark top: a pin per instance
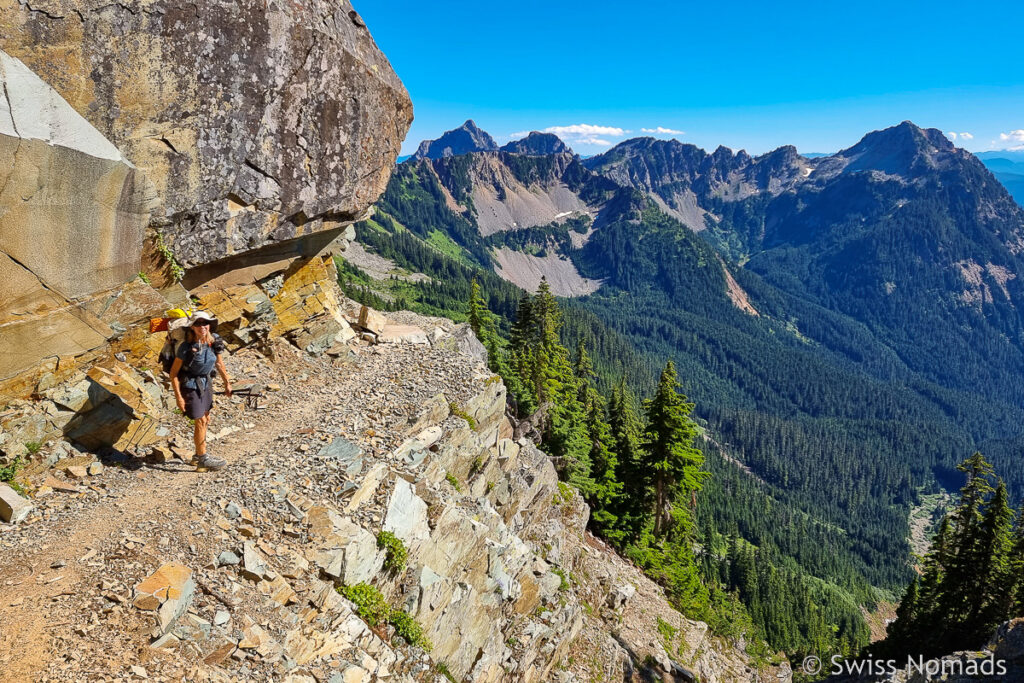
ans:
(197, 363)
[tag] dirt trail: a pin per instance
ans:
(54, 559)
(67, 572)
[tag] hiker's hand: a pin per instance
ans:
(181, 404)
(227, 391)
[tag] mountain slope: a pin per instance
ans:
(537, 144)
(867, 343)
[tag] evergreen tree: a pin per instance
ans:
(956, 593)
(993, 596)
(557, 392)
(477, 309)
(607, 490)
(902, 629)
(1016, 578)
(671, 455)
(626, 433)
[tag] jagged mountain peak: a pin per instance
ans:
(462, 140)
(538, 144)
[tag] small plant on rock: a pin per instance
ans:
(459, 412)
(560, 573)
(9, 472)
(442, 669)
(369, 602)
(453, 481)
(408, 628)
(33, 447)
(667, 630)
(177, 272)
(395, 551)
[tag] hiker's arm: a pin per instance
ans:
(178, 398)
(224, 375)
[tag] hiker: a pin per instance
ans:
(192, 380)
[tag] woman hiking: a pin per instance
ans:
(192, 380)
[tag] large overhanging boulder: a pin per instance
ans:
(257, 122)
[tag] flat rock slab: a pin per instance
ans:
(407, 514)
(168, 591)
(13, 508)
(403, 334)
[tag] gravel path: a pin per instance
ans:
(66, 574)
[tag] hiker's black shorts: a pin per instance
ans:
(198, 401)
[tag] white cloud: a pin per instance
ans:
(586, 130)
(963, 136)
(581, 134)
(1015, 138)
(966, 136)
(660, 130)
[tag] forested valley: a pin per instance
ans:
(818, 428)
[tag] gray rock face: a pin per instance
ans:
(537, 144)
(466, 138)
(256, 123)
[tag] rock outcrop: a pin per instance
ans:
(243, 583)
(537, 144)
(255, 123)
(217, 142)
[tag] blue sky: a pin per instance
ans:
(750, 75)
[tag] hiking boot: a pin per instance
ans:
(210, 462)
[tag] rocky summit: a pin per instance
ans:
(466, 138)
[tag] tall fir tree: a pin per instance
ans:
(1017, 567)
(627, 435)
(672, 457)
(607, 490)
(955, 599)
(993, 596)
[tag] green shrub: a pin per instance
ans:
(407, 627)
(33, 447)
(396, 552)
(142, 276)
(9, 472)
(453, 481)
(371, 605)
(375, 611)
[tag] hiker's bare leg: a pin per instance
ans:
(199, 434)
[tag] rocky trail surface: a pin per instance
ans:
(133, 568)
